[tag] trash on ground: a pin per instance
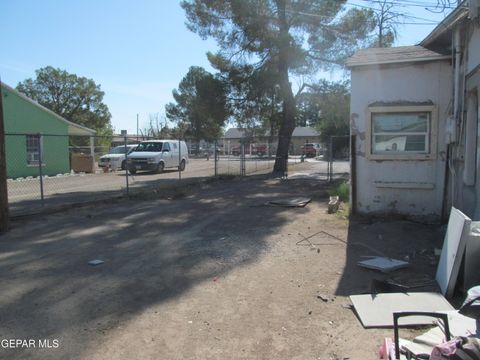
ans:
(333, 204)
(289, 202)
(471, 275)
(413, 281)
(383, 264)
(387, 286)
(471, 305)
(325, 298)
(423, 344)
(95, 262)
(377, 310)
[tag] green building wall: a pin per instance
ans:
(23, 117)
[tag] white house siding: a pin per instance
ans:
(474, 49)
(413, 187)
(469, 197)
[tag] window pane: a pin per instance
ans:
(33, 149)
(400, 143)
(400, 122)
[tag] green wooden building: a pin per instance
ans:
(35, 133)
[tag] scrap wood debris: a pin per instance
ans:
(383, 264)
(289, 202)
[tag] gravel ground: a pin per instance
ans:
(205, 272)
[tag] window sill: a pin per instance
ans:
(404, 185)
(405, 157)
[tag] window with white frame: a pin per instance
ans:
(401, 132)
(33, 149)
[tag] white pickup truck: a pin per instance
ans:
(115, 159)
(157, 155)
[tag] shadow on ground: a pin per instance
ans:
(398, 239)
(64, 200)
(154, 251)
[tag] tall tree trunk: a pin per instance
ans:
(288, 107)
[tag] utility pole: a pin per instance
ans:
(137, 128)
(4, 216)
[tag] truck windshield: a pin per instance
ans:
(149, 146)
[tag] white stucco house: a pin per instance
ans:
(414, 122)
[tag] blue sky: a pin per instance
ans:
(138, 51)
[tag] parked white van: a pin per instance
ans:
(157, 155)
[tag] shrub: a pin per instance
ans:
(342, 191)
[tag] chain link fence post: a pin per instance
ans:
(179, 160)
(215, 152)
(126, 165)
(330, 159)
(40, 170)
(242, 160)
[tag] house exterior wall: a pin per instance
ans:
(413, 187)
(467, 187)
(22, 117)
(473, 47)
(296, 143)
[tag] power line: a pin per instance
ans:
(411, 3)
(431, 22)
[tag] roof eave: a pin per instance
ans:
(83, 130)
(399, 61)
(446, 24)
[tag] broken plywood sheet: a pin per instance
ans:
(452, 251)
(460, 325)
(308, 176)
(383, 264)
(289, 202)
(377, 310)
(415, 348)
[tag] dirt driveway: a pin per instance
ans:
(207, 273)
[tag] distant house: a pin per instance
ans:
(415, 121)
(33, 131)
(301, 135)
(119, 139)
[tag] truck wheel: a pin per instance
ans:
(133, 172)
(123, 165)
(182, 165)
(160, 167)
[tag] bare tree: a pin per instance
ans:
(157, 126)
(386, 21)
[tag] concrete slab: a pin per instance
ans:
(377, 310)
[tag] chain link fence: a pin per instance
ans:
(48, 169)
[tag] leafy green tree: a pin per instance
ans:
(201, 107)
(75, 98)
(281, 38)
(326, 106)
(253, 95)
